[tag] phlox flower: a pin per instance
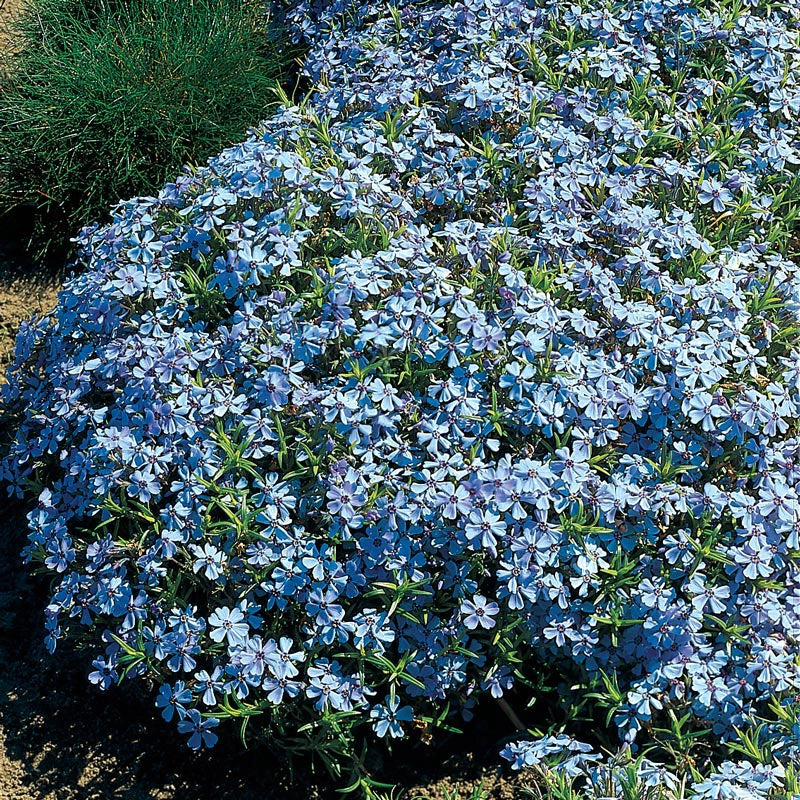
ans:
(389, 716)
(479, 612)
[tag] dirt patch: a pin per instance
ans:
(7, 9)
(23, 293)
(488, 784)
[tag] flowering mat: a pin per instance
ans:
(471, 383)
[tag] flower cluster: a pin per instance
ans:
(482, 359)
(563, 763)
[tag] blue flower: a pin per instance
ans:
(208, 559)
(228, 625)
(389, 716)
(712, 191)
(506, 310)
(199, 729)
(173, 698)
(104, 674)
(210, 685)
(479, 612)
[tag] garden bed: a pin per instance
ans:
(59, 738)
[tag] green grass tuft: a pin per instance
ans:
(106, 99)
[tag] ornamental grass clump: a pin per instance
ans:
(105, 99)
(475, 376)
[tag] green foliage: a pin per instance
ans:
(105, 99)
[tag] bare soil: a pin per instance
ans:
(7, 8)
(23, 294)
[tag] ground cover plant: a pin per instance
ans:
(105, 99)
(475, 377)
